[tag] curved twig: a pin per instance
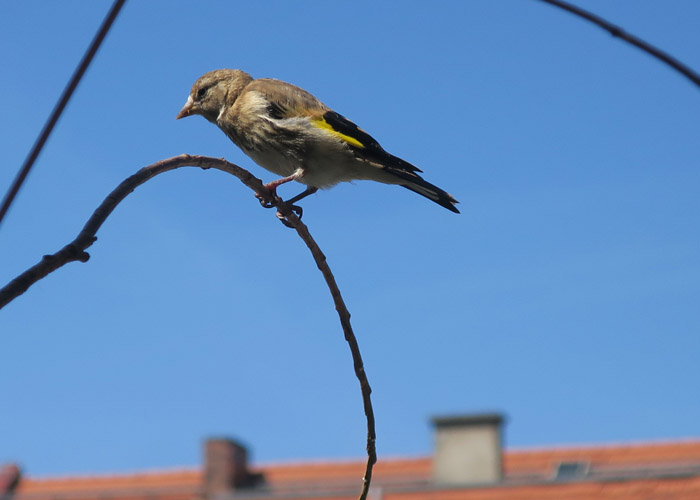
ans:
(76, 251)
(344, 315)
(618, 32)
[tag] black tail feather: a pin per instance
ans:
(430, 191)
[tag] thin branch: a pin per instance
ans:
(60, 106)
(618, 32)
(344, 315)
(76, 251)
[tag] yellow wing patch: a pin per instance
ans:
(323, 124)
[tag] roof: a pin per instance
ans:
(649, 471)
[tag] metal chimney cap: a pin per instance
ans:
(468, 420)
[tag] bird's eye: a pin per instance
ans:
(201, 92)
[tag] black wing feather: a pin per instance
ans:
(371, 151)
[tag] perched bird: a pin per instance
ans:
(289, 132)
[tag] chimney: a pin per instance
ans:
(225, 468)
(468, 449)
(10, 475)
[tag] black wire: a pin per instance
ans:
(629, 38)
(56, 113)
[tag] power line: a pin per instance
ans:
(60, 106)
(629, 38)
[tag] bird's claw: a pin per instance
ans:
(266, 202)
(296, 209)
(283, 219)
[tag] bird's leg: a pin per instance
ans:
(272, 187)
(296, 208)
(309, 190)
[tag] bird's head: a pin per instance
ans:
(213, 91)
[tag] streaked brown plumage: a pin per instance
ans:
(289, 132)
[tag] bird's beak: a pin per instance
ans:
(186, 109)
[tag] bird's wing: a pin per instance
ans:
(366, 148)
(289, 101)
(363, 145)
(286, 100)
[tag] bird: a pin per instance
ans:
(288, 131)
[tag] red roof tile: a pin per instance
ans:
(542, 460)
(528, 475)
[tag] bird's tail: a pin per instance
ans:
(424, 188)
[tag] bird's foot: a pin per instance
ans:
(298, 211)
(267, 201)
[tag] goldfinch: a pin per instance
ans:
(289, 132)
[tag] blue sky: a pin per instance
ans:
(565, 295)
